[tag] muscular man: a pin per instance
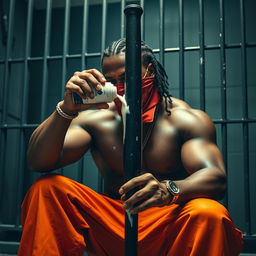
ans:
(182, 174)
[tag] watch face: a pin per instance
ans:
(174, 188)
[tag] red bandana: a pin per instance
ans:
(150, 98)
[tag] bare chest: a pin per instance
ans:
(161, 152)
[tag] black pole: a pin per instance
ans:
(132, 142)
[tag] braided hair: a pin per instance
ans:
(161, 78)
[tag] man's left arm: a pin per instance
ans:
(200, 157)
(207, 177)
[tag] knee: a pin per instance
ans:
(48, 182)
(207, 210)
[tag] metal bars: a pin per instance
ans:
(223, 88)
(201, 54)
(3, 134)
(22, 127)
(181, 51)
(245, 116)
(45, 60)
(133, 128)
(161, 31)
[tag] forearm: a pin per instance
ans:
(46, 143)
(207, 182)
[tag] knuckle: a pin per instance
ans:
(139, 195)
(149, 175)
(154, 186)
(76, 73)
(69, 85)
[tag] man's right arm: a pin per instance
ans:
(58, 141)
(55, 144)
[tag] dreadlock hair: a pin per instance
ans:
(161, 78)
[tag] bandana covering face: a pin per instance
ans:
(150, 98)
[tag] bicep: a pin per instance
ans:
(77, 142)
(197, 154)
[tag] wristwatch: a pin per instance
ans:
(173, 189)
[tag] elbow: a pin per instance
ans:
(35, 165)
(221, 186)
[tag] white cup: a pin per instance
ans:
(106, 95)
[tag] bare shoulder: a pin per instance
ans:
(192, 123)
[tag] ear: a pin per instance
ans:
(151, 69)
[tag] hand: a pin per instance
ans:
(150, 193)
(83, 84)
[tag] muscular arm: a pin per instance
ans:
(202, 160)
(200, 157)
(56, 142)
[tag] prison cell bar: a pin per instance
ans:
(201, 54)
(122, 32)
(3, 135)
(83, 67)
(45, 59)
(103, 44)
(223, 91)
(23, 114)
(161, 32)
(245, 125)
(132, 141)
(142, 4)
(181, 51)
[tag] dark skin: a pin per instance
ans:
(181, 146)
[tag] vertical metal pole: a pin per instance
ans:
(161, 28)
(245, 116)
(104, 25)
(45, 61)
(65, 52)
(122, 18)
(83, 65)
(132, 147)
(5, 93)
(84, 35)
(223, 89)
(103, 44)
(65, 45)
(201, 54)
(24, 108)
(142, 4)
(181, 51)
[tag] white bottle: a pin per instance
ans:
(106, 95)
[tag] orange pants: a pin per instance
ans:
(63, 217)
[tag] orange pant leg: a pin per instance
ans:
(64, 218)
(201, 227)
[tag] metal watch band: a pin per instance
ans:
(173, 190)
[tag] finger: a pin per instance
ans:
(71, 87)
(140, 196)
(93, 78)
(135, 182)
(100, 77)
(84, 84)
(152, 201)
